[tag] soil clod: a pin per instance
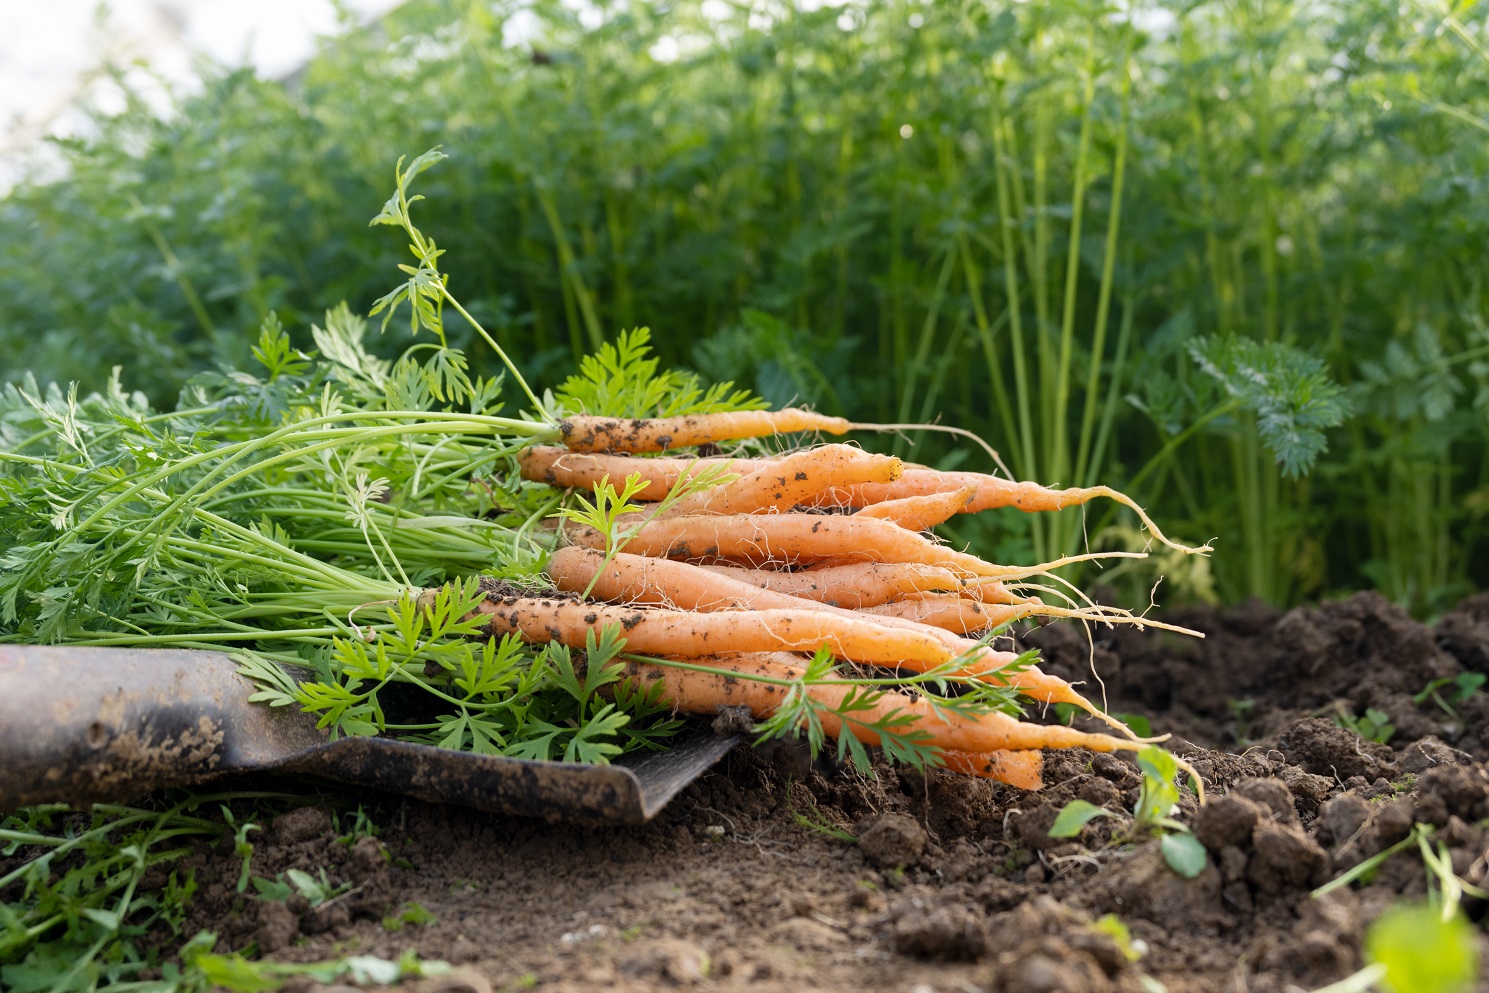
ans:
(1326, 749)
(892, 840)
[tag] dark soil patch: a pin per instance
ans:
(954, 883)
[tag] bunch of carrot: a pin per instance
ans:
(784, 584)
(734, 571)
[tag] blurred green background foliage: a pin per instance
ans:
(1228, 255)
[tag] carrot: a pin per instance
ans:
(781, 484)
(1016, 768)
(728, 683)
(859, 584)
(991, 492)
(561, 467)
(867, 584)
(992, 591)
(921, 513)
(953, 613)
(583, 433)
(637, 579)
(656, 631)
(1024, 769)
(576, 470)
(792, 538)
(1021, 768)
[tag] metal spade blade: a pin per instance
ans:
(94, 724)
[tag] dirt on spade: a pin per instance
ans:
(775, 873)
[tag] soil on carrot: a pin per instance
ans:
(749, 879)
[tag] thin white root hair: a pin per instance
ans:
(945, 429)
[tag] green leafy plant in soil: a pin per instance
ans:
(1180, 257)
(79, 912)
(1429, 947)
(232, 971)
(1450, 692)
(76, 909)
(1373, 725)
(1157, 800)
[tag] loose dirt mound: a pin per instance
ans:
(953, 884)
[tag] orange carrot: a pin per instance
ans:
(792, 538)
(921, 513)
(953, 613)
(655, 631)
(991, 492)
(576, 470)
(637, 579)
(867, 584)
(1024, 769)
(861, 584)
(781, 484)
(562, 467)
(583, 433)
(739, 684)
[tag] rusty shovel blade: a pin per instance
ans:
(82, 724)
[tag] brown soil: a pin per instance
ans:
(953, 883)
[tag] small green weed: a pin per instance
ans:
(1374, 725)
(235, 972)
(813, 819)
(1133, 950)
(1074, 816)
(1115, 928)
(1413, 948)
(352, 828)
(316, 891)
(1445, 888)
(1451, 691)
(242, 847)
(1156, 801)
(413, 913)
